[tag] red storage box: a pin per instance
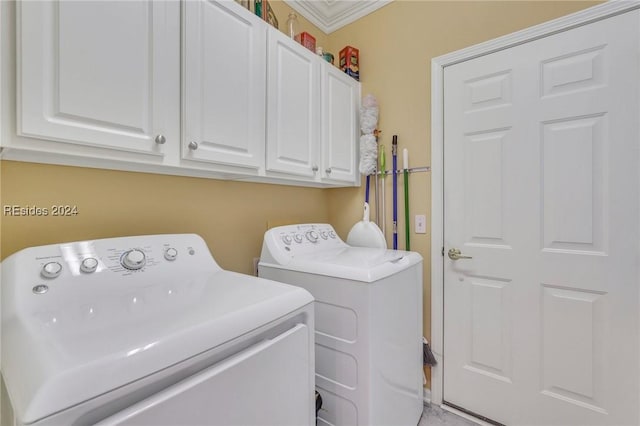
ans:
(307, 40)
(349, 61)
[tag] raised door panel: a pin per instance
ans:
(292, 107)
(340, 129)
(98, 73)
(224, 54)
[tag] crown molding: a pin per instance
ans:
(330, 15)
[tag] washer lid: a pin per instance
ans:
(58, 357)
(354, 263)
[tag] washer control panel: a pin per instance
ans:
(291, 240)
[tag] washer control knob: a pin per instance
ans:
(133, 259)
(312, 236)
(51, 270)
(324, 234)
(170, 253)
(332, 234)
(286, 239)
(298, 238)
(89, 265)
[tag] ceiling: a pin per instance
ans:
(330, 15)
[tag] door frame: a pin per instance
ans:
(438, 65)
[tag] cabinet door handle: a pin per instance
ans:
(160, 139)
(193, 145)
(314, 168)
(328, 171)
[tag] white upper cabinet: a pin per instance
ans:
(293, 107)
(340, 125)
(199, 87)
(100, 74)
(224, 52)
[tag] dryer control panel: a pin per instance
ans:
(71, 268)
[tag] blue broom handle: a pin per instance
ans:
(394, 155)
(366, 190)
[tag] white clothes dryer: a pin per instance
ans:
(368, 322)
(151, 331)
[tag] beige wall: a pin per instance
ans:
(396, 45)
(230, 216)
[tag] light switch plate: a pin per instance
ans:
(421, 224)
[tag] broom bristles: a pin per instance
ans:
(427, 355)
(368, 144)
(368, 154)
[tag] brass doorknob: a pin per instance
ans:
(455, 254)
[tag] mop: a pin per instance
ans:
(405, 161)
(366, 233)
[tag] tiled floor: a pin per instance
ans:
(436, 416)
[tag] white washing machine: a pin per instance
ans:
(368, 319)
(151, 331)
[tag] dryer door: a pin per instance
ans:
(266, 384)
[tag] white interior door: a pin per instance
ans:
(541, 189)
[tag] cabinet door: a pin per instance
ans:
(340, 125)
(292, 107)
(99, 73)
(224, 84)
